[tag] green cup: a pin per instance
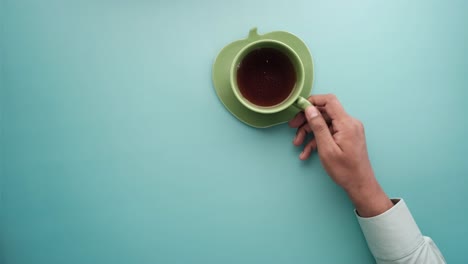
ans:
(293, 98)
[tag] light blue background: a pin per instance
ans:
(115, 148)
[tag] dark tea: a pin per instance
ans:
(266, 77)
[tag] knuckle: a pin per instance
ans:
(333, 101)
(331, 96)
(301, 131)
(359, 124)
(348, 122)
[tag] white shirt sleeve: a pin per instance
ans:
(393, 237)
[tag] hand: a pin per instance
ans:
(341, 145)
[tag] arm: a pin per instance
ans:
(390, 230)
(394, 237)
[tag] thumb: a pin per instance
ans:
(320, 128)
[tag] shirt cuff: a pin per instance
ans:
(392, 234)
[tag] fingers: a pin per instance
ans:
(311, 146)
(301, 134)
(330, 103)
(300, 119)
(318, 120)
(304, 130)
(319, 127)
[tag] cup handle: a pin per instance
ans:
(302, 103)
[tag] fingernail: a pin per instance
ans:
(311, 112)
(300, 155)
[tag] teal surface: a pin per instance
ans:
(115, 148)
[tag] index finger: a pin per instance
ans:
(330, 103)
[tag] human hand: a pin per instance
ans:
(341, 145)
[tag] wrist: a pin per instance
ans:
(369, 198)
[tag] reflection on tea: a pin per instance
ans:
(266, 77)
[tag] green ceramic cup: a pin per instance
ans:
(294, 97)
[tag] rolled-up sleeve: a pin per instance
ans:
(394, 237)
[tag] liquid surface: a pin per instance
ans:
(266, 77)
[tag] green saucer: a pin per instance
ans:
(221, 71)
